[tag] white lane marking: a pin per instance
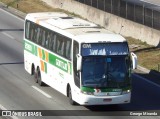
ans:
(12, 15)
(44, 93)
(6, 34)
(3, 108)
(147, 80)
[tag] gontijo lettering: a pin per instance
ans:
(28, 47)
(61, 64)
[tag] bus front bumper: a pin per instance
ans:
(84, 99)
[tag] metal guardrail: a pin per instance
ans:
(146, 14)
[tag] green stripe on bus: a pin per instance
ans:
(91, 89)
(45, 65)
(36, 51)
(69, 68)
(59, 63)
(29, 47)
(43, 55)
(52, 59)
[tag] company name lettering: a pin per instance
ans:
(61, 64)
(28, 47)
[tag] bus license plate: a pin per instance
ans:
(107, 100)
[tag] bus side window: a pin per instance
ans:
(68, 49)
(32, 32)
(50, 45)
(38, 35)
(35, 34)
(43, 37)
(60, 45)
(54, 41)
(76, 73)
(27, 29)
(47, 40)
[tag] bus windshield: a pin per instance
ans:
(105, 72)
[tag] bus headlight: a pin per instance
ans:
(126, 91)
(87, 93)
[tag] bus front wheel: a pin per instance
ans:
(71, 101)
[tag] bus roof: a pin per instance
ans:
(79, 29)
(101, 38)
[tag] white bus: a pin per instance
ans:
(83, 61)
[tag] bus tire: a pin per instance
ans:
(36, 76)
(40, 82)
(71, 101)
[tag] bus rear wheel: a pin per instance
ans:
(40, 82)
(35, 76)
(71, 101)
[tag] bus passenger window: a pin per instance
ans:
(60, 45)
(43, 38)
(35, 34)
(32, 33)
(54, 43)
(38, 35)
(68, 49)
(27, 27)
(47, 40)
(50, 45)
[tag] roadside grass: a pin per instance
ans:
(31, 6)
(28, 6)
(148, 56)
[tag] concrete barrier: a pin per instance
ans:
(109, 21)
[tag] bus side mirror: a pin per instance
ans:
(79, 62)
(134, 60)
